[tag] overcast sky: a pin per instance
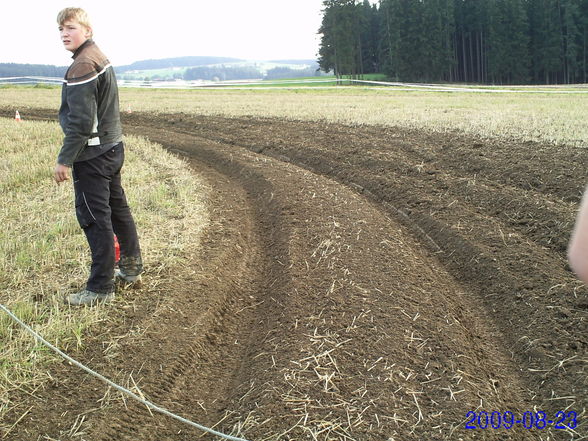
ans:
(130, 30)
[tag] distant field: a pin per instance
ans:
(545, 116)
(167, 73)
(327, 80)
(163, 73)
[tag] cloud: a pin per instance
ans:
(128, 31)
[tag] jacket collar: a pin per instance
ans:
(85, 44)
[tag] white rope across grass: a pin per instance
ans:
(114, 385)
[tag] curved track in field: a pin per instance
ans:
(357, 283)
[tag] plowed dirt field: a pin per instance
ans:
(357, 283)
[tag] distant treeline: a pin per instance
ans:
(221, 73)
(228, 73)
(197, 69)
(278, 73)
(31, 70)
(174, 62)
(483, 41)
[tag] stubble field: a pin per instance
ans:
(373, 267)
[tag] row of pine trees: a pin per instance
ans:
(474, 41)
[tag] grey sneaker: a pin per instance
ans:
(88, 298)
(121, 277)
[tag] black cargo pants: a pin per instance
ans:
(102, 211)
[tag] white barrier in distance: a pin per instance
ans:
(310, 84)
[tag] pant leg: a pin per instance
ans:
(124, 224)
(92, 195)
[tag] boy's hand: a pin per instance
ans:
(61, 173)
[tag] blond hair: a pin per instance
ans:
(76, 14)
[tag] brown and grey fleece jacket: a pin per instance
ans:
(89, 113)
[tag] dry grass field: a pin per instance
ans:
(343, 264)
(520, 115)
(44, 255)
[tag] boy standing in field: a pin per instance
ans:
(94, 151)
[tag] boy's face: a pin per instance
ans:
(73, 34)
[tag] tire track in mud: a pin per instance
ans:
(443, 311)
(203, 367)
(505, 242)
(189, 339)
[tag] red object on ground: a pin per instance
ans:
(116, 250)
